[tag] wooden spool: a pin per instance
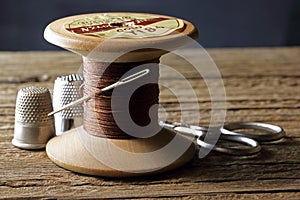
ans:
(107, 33)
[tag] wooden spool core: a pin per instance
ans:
(136, 37)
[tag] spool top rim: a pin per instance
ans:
(61, 32)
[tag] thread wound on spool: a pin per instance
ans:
(98, 116)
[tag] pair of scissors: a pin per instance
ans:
(227, 133)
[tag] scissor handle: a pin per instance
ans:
(253, 146)
(274, 132)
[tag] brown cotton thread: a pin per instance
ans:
(98, 117)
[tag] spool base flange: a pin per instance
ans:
(78, 151)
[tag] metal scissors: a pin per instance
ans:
(227, 133)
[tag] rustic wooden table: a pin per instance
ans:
(262, 84)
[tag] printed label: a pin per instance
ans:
(109, 26)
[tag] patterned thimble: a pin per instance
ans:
(33, 127)
(66, 90)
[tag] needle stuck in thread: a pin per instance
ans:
(114, 85)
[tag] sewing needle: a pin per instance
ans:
(114, 85)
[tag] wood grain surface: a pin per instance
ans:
(262, 84)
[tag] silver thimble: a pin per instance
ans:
(66, 90)
(33, 127)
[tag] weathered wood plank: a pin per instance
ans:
(92, 189)
(261, 85)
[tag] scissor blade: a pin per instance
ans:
(189, 131)
(185, 129)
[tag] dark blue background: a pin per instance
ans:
(221, 23)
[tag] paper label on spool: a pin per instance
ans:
(112, 26)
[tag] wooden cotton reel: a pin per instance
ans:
(142, 37)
